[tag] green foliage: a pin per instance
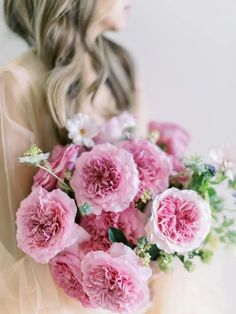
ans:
(117, 235)
(232, 184)
(165, 261)
(203, 176)
(146, 251)
(85, 209)
(189, 265)
(226, 232)
(129, 133)
(206, 255)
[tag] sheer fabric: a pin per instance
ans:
(27, 287)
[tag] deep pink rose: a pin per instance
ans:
(131, 221)
(173, 138)
(106, 178)
(63, 158)
(153, 165)
(66, 271)
(115, 280)
(97, 226)
(179, 222)
(112, 130)
(46, 224)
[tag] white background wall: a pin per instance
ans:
(186, 54)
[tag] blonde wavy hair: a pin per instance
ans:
(59, 29)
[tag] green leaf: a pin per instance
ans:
(232, 183)
(154, 252)
(117, 235)
(231, 235)
(211, 192)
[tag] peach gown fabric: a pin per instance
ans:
(27, 287)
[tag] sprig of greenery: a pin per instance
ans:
(146, 251)
(203, 176)
(34, 156)
(165, 261)
(226, 231)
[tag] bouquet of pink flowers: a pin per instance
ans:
(108, 205)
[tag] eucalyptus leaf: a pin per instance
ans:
(117, 235)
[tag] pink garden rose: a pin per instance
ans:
(65, 268)
(153, 165)
(106, 178)
(46, 224)
(115, 280)
(112, 130)
(131, 221)
(179, 222)
(63, 158)
(172, 137)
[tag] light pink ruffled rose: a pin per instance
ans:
(131, 221)
(172, 137)
(63, 158)
(179, 222)
(115, 280)
(46, 224)
(112, 130)
(65, 268)
(106, 178)
(153, 165)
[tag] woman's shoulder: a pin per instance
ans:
(22, 82)
(26, 69)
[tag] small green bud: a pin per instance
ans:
(154, 136)
(189, 266)
(68, 175)
(129, 133)
(85, 209)
(141, 242)
(165, 261)
(206, 255)
(146, 259)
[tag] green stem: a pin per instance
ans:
(47, 169)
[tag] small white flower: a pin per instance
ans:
(81, 129)
(37, 159)
(224, 158)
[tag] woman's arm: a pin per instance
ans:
(15, 139)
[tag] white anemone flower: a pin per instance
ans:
(82, 129)
(224, 158)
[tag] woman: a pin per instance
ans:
(70, 67)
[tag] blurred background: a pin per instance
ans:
(185, 52)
